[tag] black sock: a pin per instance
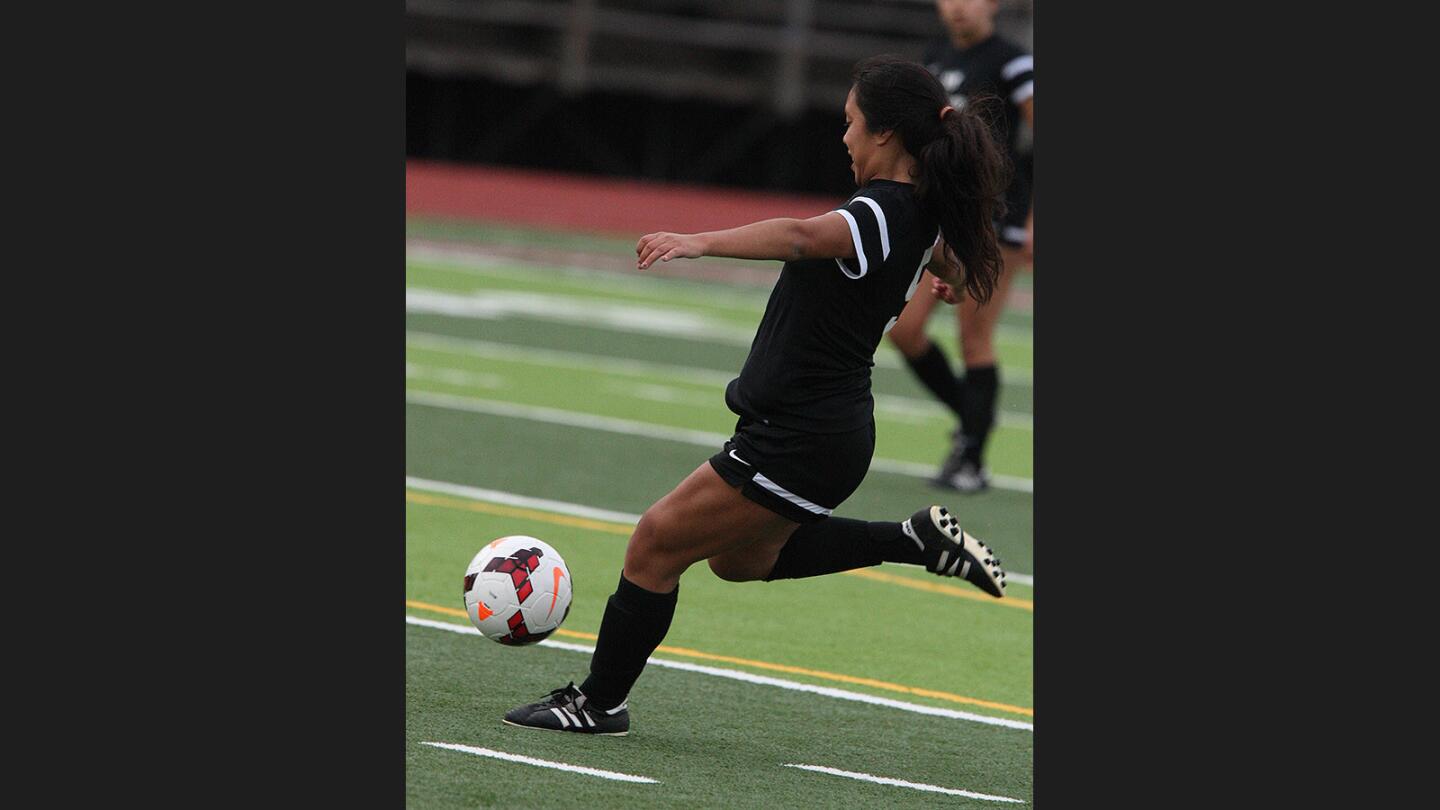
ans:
(934, 371)
(635, 622)
(841, 544)
(977, 409)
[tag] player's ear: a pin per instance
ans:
(882, 138)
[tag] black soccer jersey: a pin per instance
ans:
(996, 66)
(809, 365)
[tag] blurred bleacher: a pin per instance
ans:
(705, 91)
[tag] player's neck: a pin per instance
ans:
(969, 39)
(901, 169)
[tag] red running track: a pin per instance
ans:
(614, 207)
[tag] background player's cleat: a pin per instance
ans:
(567, 709)
(970, 477)
(951, 552)
(952, 462)
(958, 472)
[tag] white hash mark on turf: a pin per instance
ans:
(762, 680)
(544, 763)
(882, 780)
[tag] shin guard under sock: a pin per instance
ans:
(977, 409)
(635, 622)
(933, 370)
(841, 544)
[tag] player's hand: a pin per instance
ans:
(663, 247)
(944, 291)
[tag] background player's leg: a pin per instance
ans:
(700, 518)
(981, 388)
(925, 359)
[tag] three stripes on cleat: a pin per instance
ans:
(951, 526)
(958, 563)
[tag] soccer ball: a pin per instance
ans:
(517, 590)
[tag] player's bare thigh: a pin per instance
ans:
(908, 333)
(701, 518)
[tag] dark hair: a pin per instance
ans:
(962, 171)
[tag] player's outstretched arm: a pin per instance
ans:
(824, 237)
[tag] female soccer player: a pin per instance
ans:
(760, 508)
(971, 61)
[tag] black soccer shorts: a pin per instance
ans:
(799, 476)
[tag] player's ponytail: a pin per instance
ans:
(962, 171)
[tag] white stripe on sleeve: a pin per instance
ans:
(1016, 66)
(880, 221)
(859, 246)
(1023, 92)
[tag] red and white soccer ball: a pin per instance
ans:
(517, 590)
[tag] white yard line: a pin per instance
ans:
(567, 508)
(629, 427)
(660, 289)
(454, 376)
(582, 361)
(629, 317)
(511, 499)
(544, 763)
(483, 264)
(762, 680)
(882, 780)
(892, 404)
(578, 310)
(494, 265)
(905, 410)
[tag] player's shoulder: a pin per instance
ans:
(888, 193)
(893, 204)
(1006, 49)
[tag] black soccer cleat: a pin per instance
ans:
(952, 552)
(568, 709)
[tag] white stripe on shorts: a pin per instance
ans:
(790, 496)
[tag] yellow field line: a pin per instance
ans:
(746, 662)
(940, 587)
(626, 529)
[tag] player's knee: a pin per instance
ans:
(977, 358)
(653, 544)
(910, 340)
(977, 345)
(654, 531)
(732, 570)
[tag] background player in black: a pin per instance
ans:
(760, 508)
(973, 62)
